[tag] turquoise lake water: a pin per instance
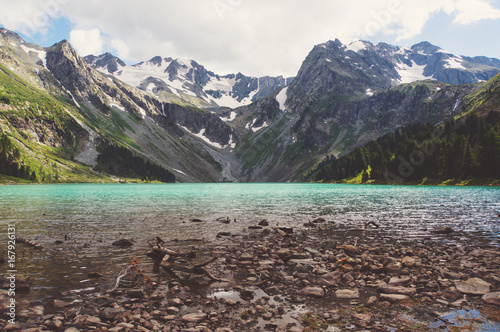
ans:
(98, 214)
(51, 211)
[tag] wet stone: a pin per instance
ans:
(312, 291)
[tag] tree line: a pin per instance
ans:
(119, 161)
(455, 150)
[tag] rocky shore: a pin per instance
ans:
(283, 279)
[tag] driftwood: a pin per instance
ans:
(29, 243)
(164, 258)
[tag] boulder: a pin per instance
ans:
(492, 298)
(473, 286)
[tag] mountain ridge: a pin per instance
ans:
(186, 81)
(342, 97)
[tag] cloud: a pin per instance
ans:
(473, 11)
(30, 16)
(87, 41)
(256, 37)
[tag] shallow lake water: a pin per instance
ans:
(89, 217)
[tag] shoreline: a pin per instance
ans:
(282, 279)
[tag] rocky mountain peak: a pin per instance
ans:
(425, 48)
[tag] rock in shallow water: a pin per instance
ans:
(313, 291)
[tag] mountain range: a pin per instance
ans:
(96, 118)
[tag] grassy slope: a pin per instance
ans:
(36, 113)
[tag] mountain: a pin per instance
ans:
(64, 118)
(61, 114)
(347, 95)
(465, 147)
(184, 81)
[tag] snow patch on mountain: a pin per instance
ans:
(357, 46)
(455, 62)
(411, 73)
(281, 98)
(41, 54)
(230, 118)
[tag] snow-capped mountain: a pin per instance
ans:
(189, 82)
(423, 61)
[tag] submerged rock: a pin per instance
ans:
(442, 230)
(124, 243)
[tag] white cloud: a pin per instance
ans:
(473, 11)
(256, 37)
(87, 41)
(120, 47)
(30, 16)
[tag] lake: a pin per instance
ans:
(92, 216)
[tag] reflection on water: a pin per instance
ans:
(92, 216)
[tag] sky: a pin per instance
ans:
(254, 37)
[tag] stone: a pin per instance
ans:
(371, 300)
(452, 275)
(93, 320)
(394, 297)
(195, 317)
(347, 294)
(313, 291)
(263, 222)
(124, 243)
(61, 304)
(363, 317)
(267, 316)
(409, 261)
(135, 293)
(110, 313)
(492, 298)
(474, 286)
(442, 230)
(72, 329)
(399, 290)
(176, 302)
(126, 325)
(349, 249)
(399, 281)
